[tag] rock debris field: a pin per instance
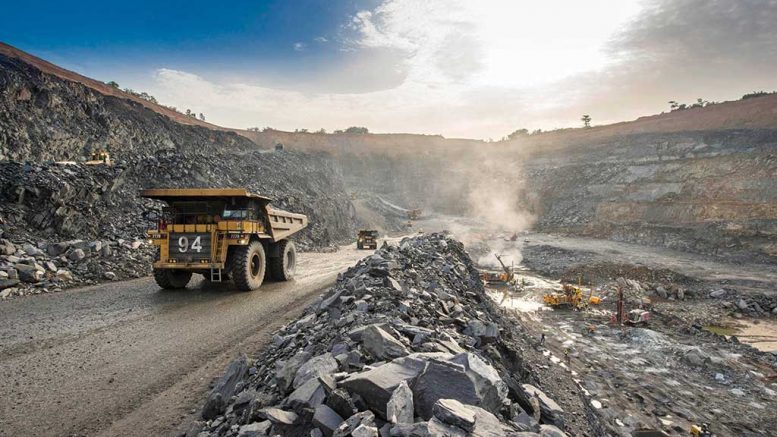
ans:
(69, 224)
(406, 343)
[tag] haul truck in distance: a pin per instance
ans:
(222, 233)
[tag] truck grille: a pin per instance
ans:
(189, 246)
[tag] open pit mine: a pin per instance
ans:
(617, 280)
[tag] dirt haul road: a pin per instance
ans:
(131, 359)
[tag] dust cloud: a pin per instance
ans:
(498, 204)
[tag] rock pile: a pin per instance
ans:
(90, 222)
(405, 344)
(49, 267)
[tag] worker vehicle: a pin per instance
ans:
(505, 277)
(99, 158)
(702, 430)
(570, 297)
(368, 239)
(637, 317)
(222, 233)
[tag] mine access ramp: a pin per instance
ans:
(222, 233)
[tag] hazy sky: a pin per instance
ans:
(459, 68)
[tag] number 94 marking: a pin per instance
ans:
(183, 244)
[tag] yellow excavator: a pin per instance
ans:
(570, 297)
(506, 276)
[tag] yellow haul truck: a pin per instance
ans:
(222, 233)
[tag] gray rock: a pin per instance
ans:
(12, 273)
(661, 291)
(742, 304)
(551, 412)
(6, 247)
(309, 395)
(31, 250)
(286, 370)
(400, 406)
(365, 431)
(64, 275)
(366, 418)
(718, 293)
(377, 385)
(109, 276)
(464, 377)
(441, 380)
(76, 255)
(340, 401)
(28, 273)
(280, 417)
(382, 345)
(696, 357)
(8, 283)
(326, 420)
(256, 429)
(454, 413)
(324, 364)
(225, 388)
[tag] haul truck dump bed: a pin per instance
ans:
(222, 233)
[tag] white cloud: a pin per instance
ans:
(299, 46)
(484, 69)
(320, 39)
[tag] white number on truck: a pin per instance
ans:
(183, 244)
(197, 245)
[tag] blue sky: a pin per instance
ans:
(129, 37)
(454, 67)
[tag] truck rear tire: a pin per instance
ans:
(282, 268)
(248, 266)
(170, 279)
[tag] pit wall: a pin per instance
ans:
(711, 192)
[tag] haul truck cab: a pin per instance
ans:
(222, 233)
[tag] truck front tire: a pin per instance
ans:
(170, 279)
(248, 266)
(282, 267)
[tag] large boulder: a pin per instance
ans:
(324, 364)
(381, 345)
(464, 377)
(550, 412)
(377, 385)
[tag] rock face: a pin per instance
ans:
(415, 369)
(64, 121)
(709, 192)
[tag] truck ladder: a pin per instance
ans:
(215, 274)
